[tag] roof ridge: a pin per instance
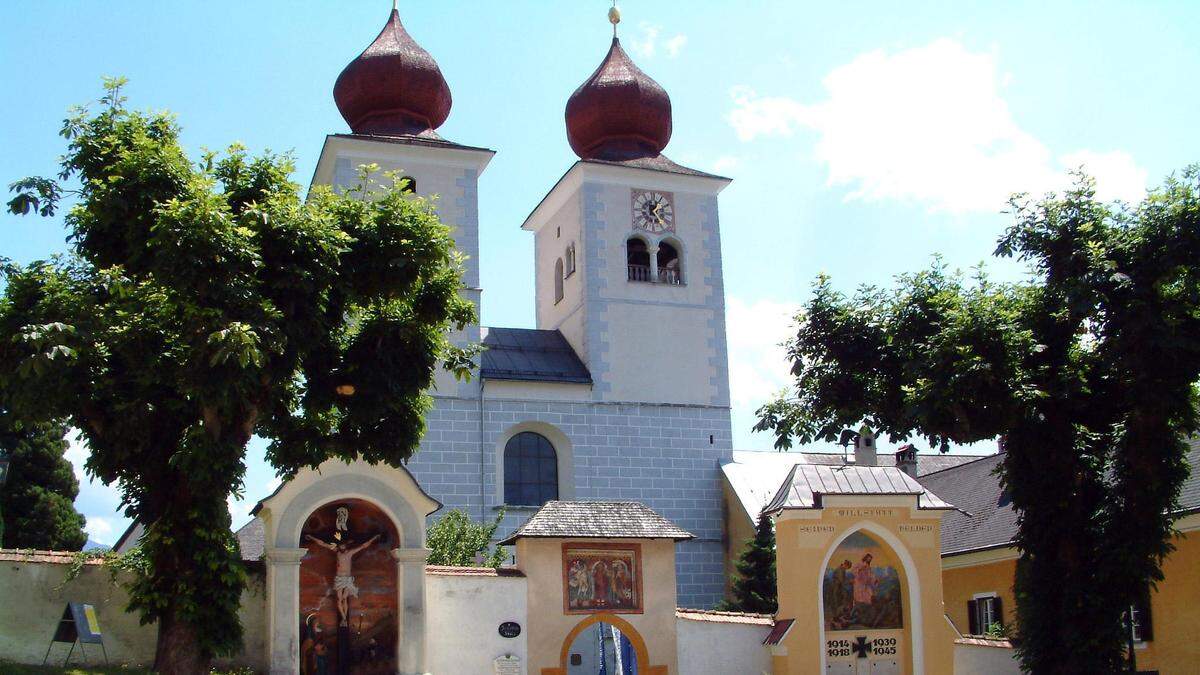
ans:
(959, 466)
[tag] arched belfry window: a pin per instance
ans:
(637, 256)
(670, 270)
(530, 470)
(558, 280)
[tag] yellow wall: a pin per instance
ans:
(804, 539)
(549, 625)
(961, 584)
(1174, 607)
(738, 532)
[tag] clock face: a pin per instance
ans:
(653, 211)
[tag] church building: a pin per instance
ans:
(604, 435)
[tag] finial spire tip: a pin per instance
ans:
(614, 17)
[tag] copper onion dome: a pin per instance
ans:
(394, 87)
(619, 113)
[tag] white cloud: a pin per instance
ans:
(99, 530)
(930, 125)
(726, 163)
(758, 367)
(645, 44)
(676, 45)
(77, 453)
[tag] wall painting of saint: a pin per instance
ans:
(862, 586)
(602, 578)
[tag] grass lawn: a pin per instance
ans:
(18, 669)
(7, 668)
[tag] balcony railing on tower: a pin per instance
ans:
(664, 276)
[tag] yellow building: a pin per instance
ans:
(859, 575)
(979, 562)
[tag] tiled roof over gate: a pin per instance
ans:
(598, 520)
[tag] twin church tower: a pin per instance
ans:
(622, 391)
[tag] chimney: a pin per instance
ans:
(864, 448)
(906, 459)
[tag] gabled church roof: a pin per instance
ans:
(597, 520)
(529, 355)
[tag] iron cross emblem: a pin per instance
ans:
(860, 647)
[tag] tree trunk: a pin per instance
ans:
(178, 651)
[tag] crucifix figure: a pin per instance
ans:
(343, 580)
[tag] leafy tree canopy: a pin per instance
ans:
(1086, 370)
(458, 541)
(37, 502)
(205, 302)
(754, 588)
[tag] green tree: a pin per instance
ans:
(37, 502)
(207, 302)
(1086, 370)
(458, 541)
(754, 587)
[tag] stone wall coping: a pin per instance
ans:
(51, 557)
(980, 641)
(449, 571)
(725, 617)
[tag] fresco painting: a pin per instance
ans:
(862, 586)
(348, 605)
(599, 578)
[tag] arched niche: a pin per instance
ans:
(395, 494)
(887, 551)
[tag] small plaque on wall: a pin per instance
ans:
(510, 629)
(507, 665)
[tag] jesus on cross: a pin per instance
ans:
(343, 580)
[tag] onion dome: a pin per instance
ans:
(619, 113)
(394, 87)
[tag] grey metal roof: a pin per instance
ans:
(526, 354)
(604, 520)
(656, 163)
(806, 484)
(992, 523)
(252, 539)
(974, 488)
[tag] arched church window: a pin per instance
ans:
(637, 256)
(558, 280)
(408, 185)
(530, 470)
(670, 270)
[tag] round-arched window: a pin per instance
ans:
(530, 470)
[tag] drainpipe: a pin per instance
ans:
(482, 456)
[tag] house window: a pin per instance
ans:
(530, 470)
(982, 613)
(558, 281)
(570, 258)
(1138, 618)
(669, 271)
(637, 257)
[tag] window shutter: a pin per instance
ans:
(973, 617)
(998, 609)
(1143, 606)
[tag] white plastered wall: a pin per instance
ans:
(464, 617)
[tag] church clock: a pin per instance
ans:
(653, 211)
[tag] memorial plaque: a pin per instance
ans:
(507, 665)
(510, 629)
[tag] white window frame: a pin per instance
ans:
(989, 612)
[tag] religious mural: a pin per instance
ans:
(348, 587)
(602, 578)
(862, 586)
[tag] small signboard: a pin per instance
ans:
(77, 625)
(510, 629)
(507, 665)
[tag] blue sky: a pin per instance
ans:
(862, 136)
